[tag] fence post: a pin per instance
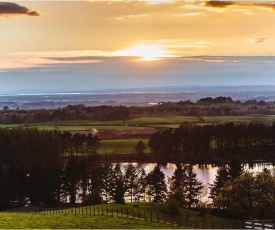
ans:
(213, 223)
(158, 216)
(144, 214)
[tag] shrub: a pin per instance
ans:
(93, 198)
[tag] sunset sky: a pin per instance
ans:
(126, 44)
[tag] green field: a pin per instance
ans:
(85, 127)
(38, 221)
(240, 119)
(121, 146)
(143, 122)
(116, 216)
(160, 121)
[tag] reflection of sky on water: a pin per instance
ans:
(207, 172)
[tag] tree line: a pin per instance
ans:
(215, 143)
(32, 163)
(219, 106)
(34, 171)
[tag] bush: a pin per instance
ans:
(173, 207)
(93, 198)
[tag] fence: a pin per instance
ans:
(186, 220)
(259, 224)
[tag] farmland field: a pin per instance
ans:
(142, 122)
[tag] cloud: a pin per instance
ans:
(218, 4)
(258, 40)
(13, 9)
(133, 16)
(25, 60)
(187, 14)
(226, 4)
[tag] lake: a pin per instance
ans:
(207, 172)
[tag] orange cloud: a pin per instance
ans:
(258, 40)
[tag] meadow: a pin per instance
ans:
(121, 146)
(143, 122)
(39, 221)
(116, 216)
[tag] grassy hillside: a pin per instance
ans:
(115, 216)
(35, 221)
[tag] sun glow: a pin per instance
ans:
(145, 52)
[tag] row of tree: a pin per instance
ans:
(219, 106)
(215, 142)
(32, 163)
(34, 171)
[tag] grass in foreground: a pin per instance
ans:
(35, 221)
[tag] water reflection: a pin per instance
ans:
(207, 172)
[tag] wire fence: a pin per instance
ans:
(183, 220)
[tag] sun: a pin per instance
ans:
(145, 52)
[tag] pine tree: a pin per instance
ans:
(221, 178)
(235, 169)
(178, 178)
(193, 187)
(157, 187)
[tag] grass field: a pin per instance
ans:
(115, 216)
(160, 121)
(121, 146)
(85, 127)
(142, 122)
(39, 221)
